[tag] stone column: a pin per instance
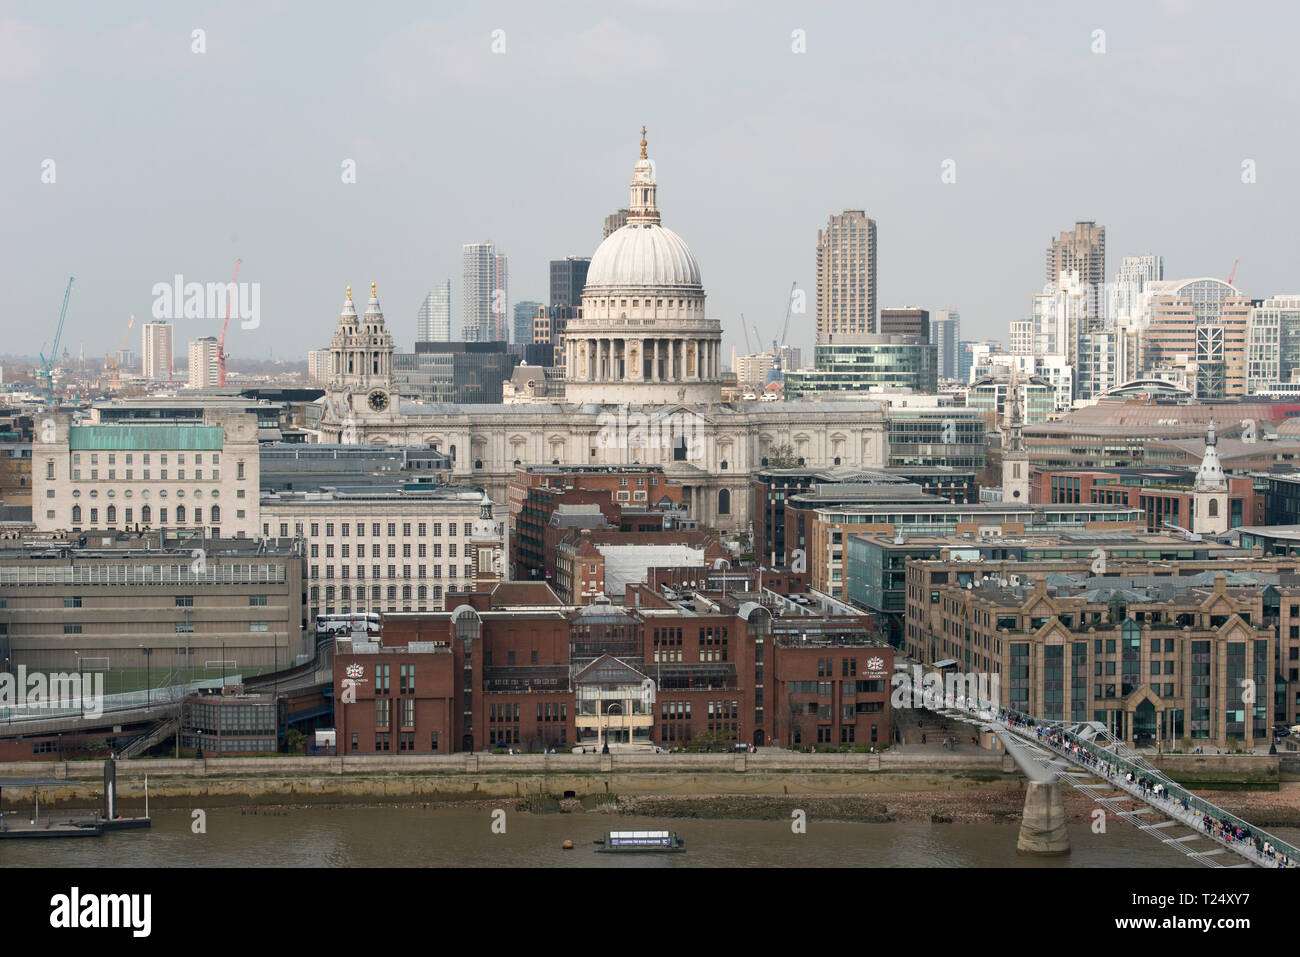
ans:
(654, 361)
(1042, 828)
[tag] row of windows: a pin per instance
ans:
(345, 529)
(377, 572)
(345, 551)
(146, 515)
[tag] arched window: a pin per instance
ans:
(216, 514)
(76, 515)
(180, 513)
(1214, 508)
(112, 515)
(146, 514)
(724, 502)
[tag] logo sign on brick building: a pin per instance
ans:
(876, 667)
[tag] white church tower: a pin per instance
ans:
(1015, 459)
(1210, 494)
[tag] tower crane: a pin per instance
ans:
(1233, 275)
(785, 329)
(221, 345)
(748, 349)
(47, 365)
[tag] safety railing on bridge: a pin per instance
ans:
(1124, 759)
(1113, 753)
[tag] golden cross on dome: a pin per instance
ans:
(372, 290)
(349, 293)
(643, 156)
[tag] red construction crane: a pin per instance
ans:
(221, 345)
(1233, 275)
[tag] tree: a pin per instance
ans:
(293, 739)
(782, 457)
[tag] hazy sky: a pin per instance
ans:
(168, 161)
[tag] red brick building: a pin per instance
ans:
(516, 668)
(1165, 495)
(630, 497)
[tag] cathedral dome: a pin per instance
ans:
(643, 254)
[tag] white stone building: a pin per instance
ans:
(147, 475)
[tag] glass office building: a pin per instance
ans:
(856, 363)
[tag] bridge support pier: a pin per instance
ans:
(1042, 828)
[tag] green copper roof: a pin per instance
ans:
(147, 438)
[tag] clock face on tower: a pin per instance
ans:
(377, 400)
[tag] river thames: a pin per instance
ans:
(464, 837)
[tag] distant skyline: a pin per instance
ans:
(171, 162)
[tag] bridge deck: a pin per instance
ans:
(1035, 754)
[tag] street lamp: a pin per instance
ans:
(148, 685)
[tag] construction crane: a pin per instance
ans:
(113, 363)
(221, 345)
(47, 365)
(1233, 275)
(748, 349)
(785, 329)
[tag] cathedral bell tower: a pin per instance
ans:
(361, 362)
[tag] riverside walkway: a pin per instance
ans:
(1075, 753)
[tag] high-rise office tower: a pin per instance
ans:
(846, 275)
(156, 350)
(909, 321)
(204, 371)
(613, 222)
(945, 333)
(1081, 250)
(525, 313)
(568, 276)
(1135, 274)
(434, 322)
(486, 294)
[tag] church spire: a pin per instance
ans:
(1210, 475)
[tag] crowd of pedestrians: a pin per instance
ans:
(1224, 830)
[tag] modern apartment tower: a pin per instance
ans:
(945, 334)
(434, 323)
(204, 371)
(1081, 251)
(156, 350)
(846, 275)
(486, 293)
